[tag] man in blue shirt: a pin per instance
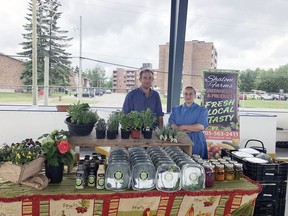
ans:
(144, 97)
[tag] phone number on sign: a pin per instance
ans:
(228, 135)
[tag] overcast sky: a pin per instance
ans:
(246, 33)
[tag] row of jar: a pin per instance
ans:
(168, 169)
(224, 168)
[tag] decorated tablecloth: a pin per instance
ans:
(225, 198)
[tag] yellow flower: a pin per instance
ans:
(54, 132)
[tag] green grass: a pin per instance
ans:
(267, 104)
(20, 98)
(15, 97)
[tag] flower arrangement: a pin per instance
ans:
(20, 153)
(56, 148)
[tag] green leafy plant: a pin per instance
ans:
(148, 119)
(56, 148)
(21, 153)
(80, 113)
(124, 121)
(135, 119)
(100, 125)
(113, 122)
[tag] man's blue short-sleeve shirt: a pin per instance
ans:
(136, 100)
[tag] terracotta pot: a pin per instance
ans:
(62, 108)
(135, 134)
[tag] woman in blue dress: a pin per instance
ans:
(192, 119)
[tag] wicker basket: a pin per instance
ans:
(18, 173)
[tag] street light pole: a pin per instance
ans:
(80, 63)
(34, 54)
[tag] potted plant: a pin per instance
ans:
(100, 127)
(149, 120)
(81, 119)
(135, 119)
(112, 126)
(125, 125)
(20, 160)
(57, 153)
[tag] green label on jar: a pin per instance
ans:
(143, 175)
(118, 175)
(101, 182)
(79, 183)
(168, 176)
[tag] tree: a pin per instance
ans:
(247, 80)
(51, 42)
(97, 76)
(109, 83)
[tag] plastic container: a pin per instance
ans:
(192, 177)
(168, 178)
(118, 176)
(143, 176)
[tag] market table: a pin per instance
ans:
(184, 142)
(64, 199)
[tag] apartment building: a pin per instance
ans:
(124, 80)
(198, 56)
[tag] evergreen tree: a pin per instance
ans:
(51, 42)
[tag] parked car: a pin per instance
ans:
(242, 97)
(266, 97)
(108, 91)
(84, 94)
(253, 97)
(98, 92)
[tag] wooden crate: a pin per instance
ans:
(18, 173)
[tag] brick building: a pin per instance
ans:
(10, 72)
(124, 80)
(198, 56)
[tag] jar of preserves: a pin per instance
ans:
(229, 172)
(209, 175)
(219, 172)
(238, 171)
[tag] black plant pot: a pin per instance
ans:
(79, 129)
(111, 134)
(147, 134)
(54, 173)
(125, 134)
(100, 134)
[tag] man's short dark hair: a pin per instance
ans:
(145, 70)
